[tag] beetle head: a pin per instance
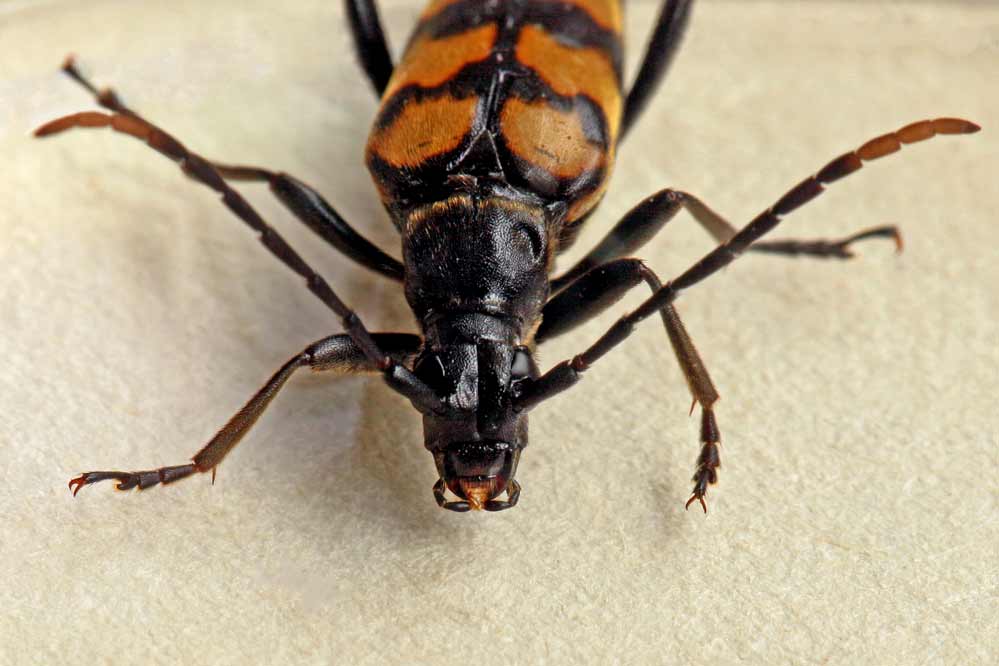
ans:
(476, 445)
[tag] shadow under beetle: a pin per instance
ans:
(494, 141)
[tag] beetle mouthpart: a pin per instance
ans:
(478, 490)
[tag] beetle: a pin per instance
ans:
(495, 137)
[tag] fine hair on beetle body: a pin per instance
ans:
(495, 137)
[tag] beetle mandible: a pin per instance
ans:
(495, 137)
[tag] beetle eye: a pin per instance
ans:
(431, 371)
(521, 364)
(533, 238)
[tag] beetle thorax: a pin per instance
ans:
(471, 254)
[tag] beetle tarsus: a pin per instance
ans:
(126, 480)
(708, 461)
(698, 496)
(839, 249)
(141, 480)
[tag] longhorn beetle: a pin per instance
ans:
(493, 143)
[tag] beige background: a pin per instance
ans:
(856, 519)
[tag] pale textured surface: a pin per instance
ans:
(856, 519)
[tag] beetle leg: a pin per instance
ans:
(605, 285)
(663, 44)
(199, 169)
(303, 201)
(643, 221)
(315, 212)
(567, 373)
(369, 42)
(799, 195)
(337, 354)
(648, 218)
